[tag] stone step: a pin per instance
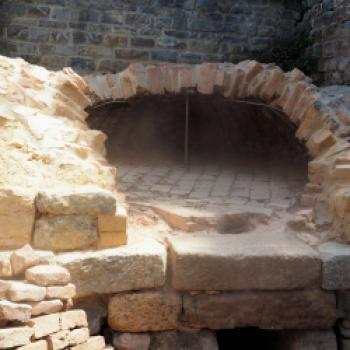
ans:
(250, 261)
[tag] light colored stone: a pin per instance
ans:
(19, 291)
(308, 340)
(111, 239)
(4, 287)
(45, 325)
(73, 319)
(335, 266)
(309, 309)
(78, 336)
(38, 345)
(48, 275)
(23, 258)
(201, 340)
(92, 201)
(5, 264)
(59, 340)
(61, 292)
(46, 307)
(113, 223)
(251, 261)
(135, 266)
(94, 343)
(14, 312)
(130, 341)
(16, 336)
(143, 312)
(17, 214)
(61, 233)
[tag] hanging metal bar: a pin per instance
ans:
(187, 128)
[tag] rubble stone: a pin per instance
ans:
(73, 319)
(38, 345)
(19, 291)
(23, 258)
(46, 307)
(61, 292)
(16, 336)
(14, 312)
(45, 325)
(94, 343)
(48, 275)
(78, 336)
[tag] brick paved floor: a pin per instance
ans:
(273, 184)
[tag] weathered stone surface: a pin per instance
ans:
(136, 266)
(87, 202)
(201, 340)
(96, 312)
(143, 312)
(19, 291)
(308, 340)
(14, 312)
(59, 340)
(23, 258)
(60, 233)
(38, 345)
(335, 266)
(48, 275)
(129, 341)
(46, 307)
(113, 223)
(111, 239)
(5, 264)
(309, 309)
(17, 336)
(17, 214)
(94, 343)
(78, 336)
(4, 287)
(61, 292)
(45, 325)
(250, 261)
(73, 319)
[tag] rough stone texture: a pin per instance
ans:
(145, 311)
(136, 266)
(128, 341)
(5, 264)
(59, 340)
(78, 336)
(250, 261)
(45, 325)
(17, 336)
(23, 258)
(48, 275)
(90, 36)
(62, 233)
(61, 292)
(202, 340)
(46, 307)
(89, 202)
(73, 319)
(335, 266)
(38, 345)
(94, 343)
(310, 309)
(20, 291)
(14, 312)
(308, 340)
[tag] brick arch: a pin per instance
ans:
(319, 123)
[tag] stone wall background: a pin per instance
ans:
(105, 36)
(329, 24)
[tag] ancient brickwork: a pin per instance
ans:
(329, 23)
(107, 35)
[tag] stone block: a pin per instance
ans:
(16, 336)
(17, 213)
(48, 275)
(5, 264)
(38, 345)
(59, 340)
(129, 341)
(19, 291)
(135, 266)
(145, 311)
(78, 336)
(88, 202)
(23, 258)
(320, 141)
(238, 262)
(45, 325)
(94, 343)
(62, 233)
(73, 319)
(306, 309)
(113, 223)
(61, 292)
(194, 340)
(46, 307)
(112, 239)
(14, 312)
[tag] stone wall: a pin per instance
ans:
(329, 23)
(107, 35)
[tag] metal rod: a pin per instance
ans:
(186, 128)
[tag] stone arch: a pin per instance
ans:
(321, 125)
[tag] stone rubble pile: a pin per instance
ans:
(35, 307)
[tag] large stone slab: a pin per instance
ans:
(143, 312)
(92, 201)
(262, 261)
(17, 213)
(335, 266)
(66, 232)
(17, 336)
(136, 266)
(309, 309)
